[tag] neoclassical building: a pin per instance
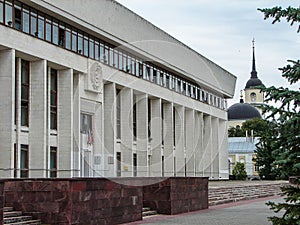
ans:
(94, 90)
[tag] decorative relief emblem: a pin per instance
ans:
(95, 76)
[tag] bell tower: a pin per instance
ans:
(253, 94)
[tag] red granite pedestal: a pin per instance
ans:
(102, 201)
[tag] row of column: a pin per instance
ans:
(183, 141)
(37, 135)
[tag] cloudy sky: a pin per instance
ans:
(222, 30)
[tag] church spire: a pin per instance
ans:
(253, 72)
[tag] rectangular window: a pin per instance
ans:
(61, 37)
(68, 38)
(25, 20)
(33, 22)
(48, 29)
(53, 161)
(120, 61)
(41, 26)
(18, 18)
(74, 41)
(116, 58)
(24, 93)
(86, 123)
(118, 92)
(134, 124)
(149, 118)
(85, 45)
(15, 161)
(55, 30)
(102, 57)
(111, 56)
(53, 99)
(92, 48)
(1, 12)
(97, 50)
(8, 13)
(106, 54)
(24, 160)
(119, 164)
(134, 164)
(80, 43)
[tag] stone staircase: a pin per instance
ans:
(222, 195)
(148, 212)
(11, 217)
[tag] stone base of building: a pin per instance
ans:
(102, 200)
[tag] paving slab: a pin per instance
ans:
(250, 212)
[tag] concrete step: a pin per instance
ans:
(11, 217)
(149, 213)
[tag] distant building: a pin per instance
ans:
(241, 149)
(90, 89)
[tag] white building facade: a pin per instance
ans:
(90, 89)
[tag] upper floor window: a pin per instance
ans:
(53, 99)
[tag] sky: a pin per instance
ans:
(223, 30)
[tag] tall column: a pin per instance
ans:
(97, 132)
(142, 134)
(198, 138)
(109, 121)
(156, 135)
(7, 111)
(76, 125)
(215, 148)
(126, 131)
(223, 150)
(168, 136)
(65, 123)
(179, 141)
(190, 143)
(207, 135)
(38, 119)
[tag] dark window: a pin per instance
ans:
(61, 37)
(53, 161)
(74, 41)
(97, 56)
(15, 161)
(134, 164)
(86, 123)
(18, 20)
(24, 161)
(53, 99)
(80, 43)
(118, 105)
(92, 49)
(24, 93)
(134, 128)
(55, 32)
(86, 45)
(149, 118)
(118, 164)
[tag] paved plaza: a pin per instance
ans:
(252, 212)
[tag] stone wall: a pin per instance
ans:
(104, 201)
(177, 195)
(75, 201)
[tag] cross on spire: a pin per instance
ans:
(253, 72)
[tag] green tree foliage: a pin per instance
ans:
(286, 120)
(286, 116)
(239, 171)
(259, 126)
(291, 207)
